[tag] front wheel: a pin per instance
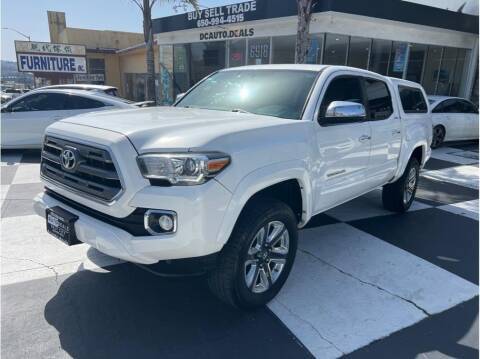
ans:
(257, 259)
(399, 195)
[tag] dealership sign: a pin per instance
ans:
(226, 34)
(48, 57)
(222, 15)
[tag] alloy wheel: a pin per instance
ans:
(410, 185)
(267, 256)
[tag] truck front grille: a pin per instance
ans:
(82, 168)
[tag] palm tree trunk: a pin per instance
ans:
(148, 35)
(303, 30)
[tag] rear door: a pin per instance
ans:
(469, 120)
(343, 145)
(386, 130)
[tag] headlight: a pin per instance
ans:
(182, 168)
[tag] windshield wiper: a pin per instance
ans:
(240, 110)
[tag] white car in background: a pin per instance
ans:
(109, 90)
(25, 118)
(454, 119)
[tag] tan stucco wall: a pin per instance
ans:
(116, 64)
(135, 61)
(98, 39)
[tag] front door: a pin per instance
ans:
(343, 146)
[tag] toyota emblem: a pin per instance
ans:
(68, 159)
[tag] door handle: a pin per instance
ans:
(396, 132)
(364, 138)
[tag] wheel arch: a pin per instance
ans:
(290, 185)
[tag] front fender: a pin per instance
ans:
(260, 179)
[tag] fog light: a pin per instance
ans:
(158, 221)
(166, 222)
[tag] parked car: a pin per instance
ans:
(454, 119)
(25, 118)
(5, 97)
(109, 90)
(228, 175)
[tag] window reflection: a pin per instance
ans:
(335, 49)
(237, 53)
(359, 52)
(416, 58)
(379, 56)
(283, 49)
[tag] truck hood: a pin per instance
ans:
(163, 128)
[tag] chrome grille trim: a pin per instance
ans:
(95, 176)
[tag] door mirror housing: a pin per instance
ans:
(345, 109)
(341, 112)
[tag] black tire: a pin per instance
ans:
(228, 281)
(438, 136)
(394, 195)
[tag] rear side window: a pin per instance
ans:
(412, 100)
(82, 103)
(379, 101)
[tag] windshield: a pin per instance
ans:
(279, 93)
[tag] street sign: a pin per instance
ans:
(48, 57)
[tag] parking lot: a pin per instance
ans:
(366, 283)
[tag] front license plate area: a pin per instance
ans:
(61, 224)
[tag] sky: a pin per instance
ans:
(30, 16)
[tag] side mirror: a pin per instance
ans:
(179, 96)
(345, 110)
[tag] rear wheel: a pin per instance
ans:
(438, 136)
(399, 196)
(257, 259)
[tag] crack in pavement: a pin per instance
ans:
(52, 268)
(366, 283)
(311, 326)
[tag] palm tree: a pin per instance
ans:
(146, 8)
(305, 8)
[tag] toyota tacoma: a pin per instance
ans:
(234, 169)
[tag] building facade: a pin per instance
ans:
(435, 47)
(114, 58)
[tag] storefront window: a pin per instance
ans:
(335, 49)
(359, 51)
(314, 54)
(398, 59)
(259, 51)
(380, 56)
(237, 53)
(447, 71)
(283, 49)
(432, 67)
(206, 57)
(97, 66)
(459, 72)
(416, 58)
(181, 72)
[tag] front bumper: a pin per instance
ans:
(200, 215)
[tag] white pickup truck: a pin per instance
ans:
(231, 172)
